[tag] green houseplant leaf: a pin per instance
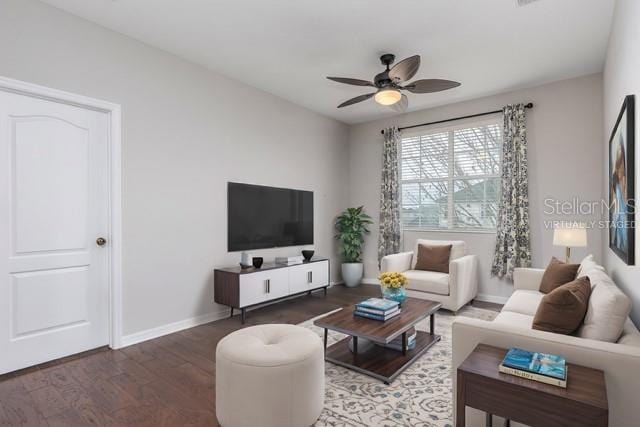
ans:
(351, 226)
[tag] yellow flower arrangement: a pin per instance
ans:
(392, 280)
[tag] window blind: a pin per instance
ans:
(449, 178)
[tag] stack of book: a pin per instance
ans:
(377, 309)
(396, 344)
(541, 367)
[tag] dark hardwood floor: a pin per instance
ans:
(168, 381)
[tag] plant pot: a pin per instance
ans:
(352, 273)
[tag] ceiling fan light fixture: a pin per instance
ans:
(387, 96)
(388, 83)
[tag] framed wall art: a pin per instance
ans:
(621, 183)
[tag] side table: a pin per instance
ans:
(481, 386)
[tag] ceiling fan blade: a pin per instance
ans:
(356, 100)
(405, 69)
(348, 81)
(400, 106)
(431, 85)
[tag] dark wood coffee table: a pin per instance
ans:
(379, 362)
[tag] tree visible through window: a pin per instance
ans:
(450, 178)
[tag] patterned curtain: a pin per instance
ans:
(513, 243)
(389, 235)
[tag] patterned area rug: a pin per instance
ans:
(420, 396)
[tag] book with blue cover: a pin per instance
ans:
(396, 344)
(550, 365)
(375, 311)
(381, 317)
(543, 367)
(398, 347)
(411, 336)
(378, 304)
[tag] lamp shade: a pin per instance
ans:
(574, 237)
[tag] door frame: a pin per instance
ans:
(114, 169)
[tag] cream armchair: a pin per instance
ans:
(453, 290)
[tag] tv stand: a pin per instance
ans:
(243, 288)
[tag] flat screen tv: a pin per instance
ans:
(262, 217)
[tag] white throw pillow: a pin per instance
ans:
(587, 264)
(608, 309)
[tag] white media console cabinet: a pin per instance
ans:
(242, 288)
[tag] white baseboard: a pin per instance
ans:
(492, 298)
(480, 297)
(181, 325)
(170, 328)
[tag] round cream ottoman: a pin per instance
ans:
(269, 376)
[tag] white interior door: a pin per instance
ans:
(54, 289)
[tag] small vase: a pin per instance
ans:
(394, 294)
(307, 254)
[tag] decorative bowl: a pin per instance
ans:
(394, 294)
(257, 261)
(307, 254)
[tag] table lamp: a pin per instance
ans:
(570, 237)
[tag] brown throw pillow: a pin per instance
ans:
(557, 274)
(434, 258)
(563, 309)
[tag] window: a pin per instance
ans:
(450, 177)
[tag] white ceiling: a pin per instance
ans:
(287, 47)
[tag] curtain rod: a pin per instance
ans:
(529, 105)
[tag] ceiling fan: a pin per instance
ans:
(389, 83)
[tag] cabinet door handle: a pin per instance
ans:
(310, 277)
(268, 286)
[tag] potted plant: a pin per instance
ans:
(351, 226)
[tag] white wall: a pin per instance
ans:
(186, 132)
(621, 78)
(565, 152)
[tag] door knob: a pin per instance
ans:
(101, 241)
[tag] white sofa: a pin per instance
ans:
(453, 290)
(608, 340)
